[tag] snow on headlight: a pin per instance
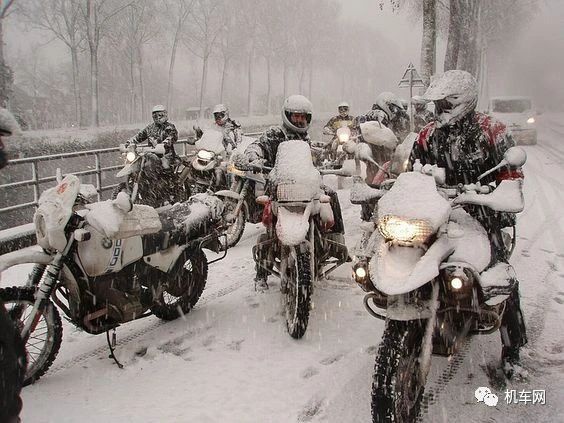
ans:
(205, 155)
(130, 156)
(404, 230)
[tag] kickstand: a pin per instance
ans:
(112, 345)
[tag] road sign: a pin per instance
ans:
(411, 78)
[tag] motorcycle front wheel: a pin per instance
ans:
(183, 286)
(297, 289)
(235, 231)
(397, 389)
(44, 341)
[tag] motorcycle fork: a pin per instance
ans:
(243, 194)
(46, 287)
(135, 188)
(427, 343)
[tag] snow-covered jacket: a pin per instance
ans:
(158, 133)
(466, 150)
(266, 146)
(231, 127)
(336, 122)
(399, 125)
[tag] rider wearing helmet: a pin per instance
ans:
(161, 131)
(466, 144)
(389, 111)
(342, 119)
(296, 118)
(231, 128)
(13, 358)
(421, 116)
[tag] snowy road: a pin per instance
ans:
(231, 360)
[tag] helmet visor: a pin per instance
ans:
(219, 116)
(299, 119)
(343, 109)
(160, 116)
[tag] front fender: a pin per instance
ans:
(22, 256)
(292, 227)
(129, 168)
(228, 194)
(400, 270)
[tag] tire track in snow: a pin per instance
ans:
(142, 331)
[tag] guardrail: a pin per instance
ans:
(98, 170)
(26, 237)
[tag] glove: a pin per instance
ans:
(240, 160)
(129, 142)
(252, 156)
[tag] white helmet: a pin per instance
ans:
(455, 94)
(343, 108)
(389, 103)
(220, 114)
(296, 104)
(159, 114)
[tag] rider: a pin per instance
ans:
(343, 118)
(13, 358)
(161, 131)
(421, 116)
(231, 128)
(389, 111)
(466, 144)
(296, 118)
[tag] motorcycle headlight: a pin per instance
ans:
(130, 156)
(344, 137)
(531, 120)
(205, 155)
(395, 228)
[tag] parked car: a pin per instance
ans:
(518, 114)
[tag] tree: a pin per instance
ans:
(97, 16)
(428, 40)
(6, 75)
(62, 18)
(179, 11)
(206, 23)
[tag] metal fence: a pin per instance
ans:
(97, 170)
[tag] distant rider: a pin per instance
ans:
(466, 144)
(161, 131)
(342, 119)
(296, 118)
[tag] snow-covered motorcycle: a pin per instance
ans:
(108, 263)
(299, 243)
(208, 169)
(427, 268)
(150, 177)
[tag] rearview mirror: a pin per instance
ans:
(515, 157)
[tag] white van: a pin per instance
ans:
(517, 113)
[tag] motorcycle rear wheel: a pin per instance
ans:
(43, 343)
(396, 389)
(184, 285)
(297, 293)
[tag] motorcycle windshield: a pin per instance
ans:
(54, 211)
(294, 166)
(211, 140)
(415, 196)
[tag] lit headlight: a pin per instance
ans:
(130, 156)
(344, 137)
(404, 230)
(205, 155)
(531, 120)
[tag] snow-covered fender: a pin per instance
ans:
(202, 168)
(164, 260)
(400, 270)
(130, 168)
(292, 227)
(22, 257)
